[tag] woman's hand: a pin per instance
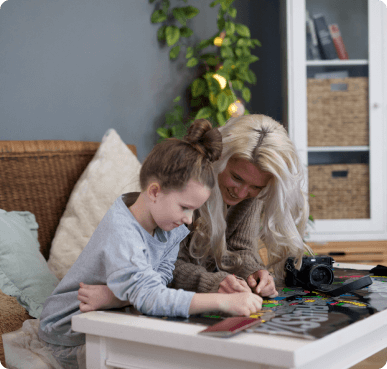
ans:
(98, 297)
(232, 284)
(266, 285)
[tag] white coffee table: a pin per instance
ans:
(119, 340)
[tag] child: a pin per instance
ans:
(135, 246)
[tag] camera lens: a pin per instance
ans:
(320, 274)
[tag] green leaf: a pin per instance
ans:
(237, 84)
(172, 34)
(158, 16)
(177, 99)
(204, 113)
(225, 4)
(220, 118)
(174, 53)
(179, 130)
(222, 101)
(226, 52)
(232, 12)
(230, 28)
(165, 5)
(238, 52)
(246, 94)
(226, 41)
(198, 87)
(186, 32)
(163, 132)
(256, 42)
(192, 62)
(242, 30)
(161, 33)
(216, 2)
(252, 77)
(242, 42)
(210, 59)
(203, 44)
(151, 1)
(189, 53)
(179, 15)
(190, 11)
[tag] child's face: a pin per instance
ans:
(173, 208)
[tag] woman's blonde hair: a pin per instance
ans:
(264, 142)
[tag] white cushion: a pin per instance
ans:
(114, 170)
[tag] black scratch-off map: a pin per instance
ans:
(304, 314)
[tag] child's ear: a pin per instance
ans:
(153, 191)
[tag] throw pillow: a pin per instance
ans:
(114, 170)
(24, 273)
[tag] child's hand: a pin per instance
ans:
(97, 297)
(244, 303)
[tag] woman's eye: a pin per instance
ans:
(237, 177)
(184, 208)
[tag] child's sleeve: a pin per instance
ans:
(131, 278)
(167, 266)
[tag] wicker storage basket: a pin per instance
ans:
(341, 191)
(338, 112)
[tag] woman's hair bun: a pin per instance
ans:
(205, 139)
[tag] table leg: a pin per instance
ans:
(96, 352)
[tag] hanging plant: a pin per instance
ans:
(221, 89)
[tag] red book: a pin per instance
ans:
(338, 41)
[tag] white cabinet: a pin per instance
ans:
(363, 25)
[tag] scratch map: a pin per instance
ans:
(304, 314)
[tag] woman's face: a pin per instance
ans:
(241, 180)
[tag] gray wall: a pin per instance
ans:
(71, 69)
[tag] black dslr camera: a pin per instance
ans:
(315, 271)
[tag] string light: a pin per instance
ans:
(236, 109)
(222, 81)
(218, 41)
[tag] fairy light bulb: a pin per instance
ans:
(218, 41)
(236, 109)
(222, 81)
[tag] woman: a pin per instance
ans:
(260, 189)
(259, 197)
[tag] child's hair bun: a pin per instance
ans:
(205, 139)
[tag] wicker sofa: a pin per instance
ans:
(38, 176)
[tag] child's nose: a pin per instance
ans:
(187, 219)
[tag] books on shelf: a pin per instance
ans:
(312, 48)
(324, 37)
(338, 41)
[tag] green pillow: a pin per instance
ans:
(23, 270)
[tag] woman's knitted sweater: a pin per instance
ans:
(243, 222)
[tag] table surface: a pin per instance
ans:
(353, 343)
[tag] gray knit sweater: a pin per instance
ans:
(243, 222)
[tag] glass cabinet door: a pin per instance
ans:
(335, 116)
(337, 56)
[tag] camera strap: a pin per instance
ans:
(354, 285)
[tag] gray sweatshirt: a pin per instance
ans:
(134, 265)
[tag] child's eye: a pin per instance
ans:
(184, 208)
